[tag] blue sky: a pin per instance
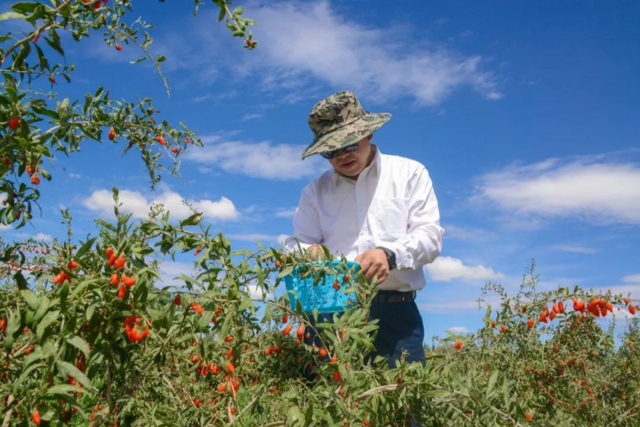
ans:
(525, 115)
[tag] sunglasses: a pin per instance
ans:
(348, 149)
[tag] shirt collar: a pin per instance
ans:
(375, 165)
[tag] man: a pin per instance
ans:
(378, 210)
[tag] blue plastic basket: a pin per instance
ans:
(322, 296)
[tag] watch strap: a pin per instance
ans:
(391, 257)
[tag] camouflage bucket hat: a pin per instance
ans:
(340, 120)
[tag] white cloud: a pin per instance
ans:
(300, 39)
(5, 227)
(285, 213)
(446, 269)
(169, 270)
(257, 293)
(594, 188)
(43, 237)
(458, 330)
(578, 249)
(634, 278)
(263, 238)
(459, 233)
(304, 45)
(75, 175)
(138, 204)
(253, 116)
(258, 160)
(457, 305)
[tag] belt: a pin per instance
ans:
(394, 296)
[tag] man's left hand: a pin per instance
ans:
(374, 263)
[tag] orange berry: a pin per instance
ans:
(119, 263)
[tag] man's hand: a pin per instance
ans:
(315, 253)
(374, 263)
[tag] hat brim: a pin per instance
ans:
(347, 135)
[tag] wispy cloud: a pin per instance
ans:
(457, 305)
(634, 278)
(43, 237)
(259, 160)
(458, 330)
(595, 188)
(248, 117)
(446, 269)
(263, 238)
(578, 249)
(75, 175)
(302, 39)
(285, 212)
(306, 45)
(101, 201)
(471, 234)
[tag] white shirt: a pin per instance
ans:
(391, 204)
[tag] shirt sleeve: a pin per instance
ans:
(423, 242)
(306, 224)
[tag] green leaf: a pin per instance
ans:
(80, 344)
(492, 383)
(138, 60)
(33, 357)
(11, 15)
(224, 330)
(25, 7)
(49, 319)
(90, 311)
(45, 303)
(285, 272)
(246, 303)
(31, 297)
(192, 220)
(21, 282)
(55, 43)
(487, 314)
(105, 224)
(85, 248)
(63, 389)
(25, 374)
(13, 324)
(66, 368)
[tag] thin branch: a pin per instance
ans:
(155, 63)
(35, 34)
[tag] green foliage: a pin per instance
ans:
(90, 335)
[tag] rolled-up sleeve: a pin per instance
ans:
(306, 223)
(423, 242)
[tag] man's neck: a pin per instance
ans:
(372, 155)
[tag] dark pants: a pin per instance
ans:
(400, 328)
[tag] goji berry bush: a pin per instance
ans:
(91, 334)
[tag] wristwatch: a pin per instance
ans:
(391, 257)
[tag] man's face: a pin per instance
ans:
(351, 164)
